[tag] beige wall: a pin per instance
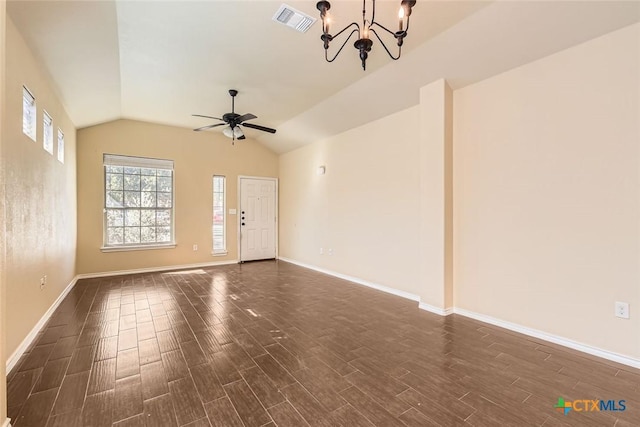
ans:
(197, 157)
(3, 357)
(40, 197)
(546, 196)
(547, 193)
(365, 207)
(435, 224)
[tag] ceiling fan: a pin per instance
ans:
(234, 121)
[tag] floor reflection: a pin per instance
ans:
(269, 342)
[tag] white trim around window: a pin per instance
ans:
(60, 146)
(138, 203)
(28, 113)
(219, 217)
(47, 132)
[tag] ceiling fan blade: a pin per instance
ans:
(262, 128)
(209, 127)
(244, 117)
(208, 117)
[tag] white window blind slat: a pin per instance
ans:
(137, 162)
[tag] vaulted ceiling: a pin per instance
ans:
(161, 61)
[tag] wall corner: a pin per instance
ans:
(3, 357)
(436, 195)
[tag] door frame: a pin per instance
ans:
(239, 211)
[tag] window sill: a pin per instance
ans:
(137, 248)
(219, 253)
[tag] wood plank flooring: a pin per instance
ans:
(273, 344)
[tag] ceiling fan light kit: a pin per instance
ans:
(235, 133)
(234, 121)
(364, 43)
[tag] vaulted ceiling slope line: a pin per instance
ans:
(77, 42)
(161, 61)
(500, 37)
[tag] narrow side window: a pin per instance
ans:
(219, 217)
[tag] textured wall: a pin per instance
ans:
(40, 197)
(3, 356)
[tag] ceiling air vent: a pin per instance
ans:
(293, 18)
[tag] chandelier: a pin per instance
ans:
(368, 27)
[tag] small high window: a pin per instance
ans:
(60, 146)
(47, 132)
(28, 113)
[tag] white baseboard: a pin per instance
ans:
(357, 280)
(585, 348)
(7, 423)
(15, 357)
(154, 269)
(26, 342)
(436, 310)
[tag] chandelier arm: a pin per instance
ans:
(373, 11)
(343, 45)
(384, 28)
(395, 58)
(345, 29)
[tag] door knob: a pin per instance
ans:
(242, 217)
(243, 223)
(242, 212)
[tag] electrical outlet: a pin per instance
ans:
(321, 251)
(330, 251)
(622, 310)
(195, 247)
(43, 281)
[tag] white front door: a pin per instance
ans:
(257, 218)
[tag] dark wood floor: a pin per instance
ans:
(272, 344)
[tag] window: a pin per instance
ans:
(219, 234)
(47, 132)
(60, 146)
(28, 113)
(138, 209)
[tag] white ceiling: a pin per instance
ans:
(161, 61)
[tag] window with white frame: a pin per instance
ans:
(47, 132)
(60, 146)
(219, 202)
(28, 113)
(138, 207)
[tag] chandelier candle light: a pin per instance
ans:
(364, 43)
